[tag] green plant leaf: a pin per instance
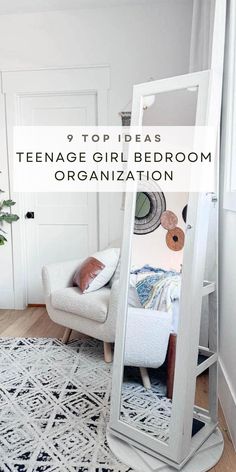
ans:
(2, 240)
(5, 216)
(8, 203)
(8, 217)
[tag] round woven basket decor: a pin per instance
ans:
(169, 220)
(175, 239)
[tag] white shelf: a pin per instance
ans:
(208, 287)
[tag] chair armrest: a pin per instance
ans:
(59, 275)
(147, 336)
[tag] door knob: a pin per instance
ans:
(29, 215)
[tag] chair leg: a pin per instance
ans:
(66, 335)
(107, 352)
(145, 377)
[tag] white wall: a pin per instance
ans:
(227, 247)
(6, 263)
(137, 42)
(227, 295)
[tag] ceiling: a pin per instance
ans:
(32, 6)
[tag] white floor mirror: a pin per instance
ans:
(155, 424)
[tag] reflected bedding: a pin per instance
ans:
(156, 289)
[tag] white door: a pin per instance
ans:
(64, 225)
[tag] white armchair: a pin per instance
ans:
(93, 313)
(146, 340)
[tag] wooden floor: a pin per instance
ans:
(35, 322)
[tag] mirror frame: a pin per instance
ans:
(181, 446)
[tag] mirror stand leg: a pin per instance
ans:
(145, 377)
(107, 352)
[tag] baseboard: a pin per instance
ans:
(31, 305)
(6, 299)
(228, 402)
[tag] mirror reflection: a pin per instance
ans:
(154, 290)
(152, 318)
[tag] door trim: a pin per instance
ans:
(90, 79)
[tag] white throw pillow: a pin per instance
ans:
(109, 257)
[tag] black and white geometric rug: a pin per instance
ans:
(148, 410)
(54, 407)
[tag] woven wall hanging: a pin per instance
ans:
(184, 213)
(149, 208)
(169, 219)
(175, 239)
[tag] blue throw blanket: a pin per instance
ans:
(159, 290)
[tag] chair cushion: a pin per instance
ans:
(92, 305)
